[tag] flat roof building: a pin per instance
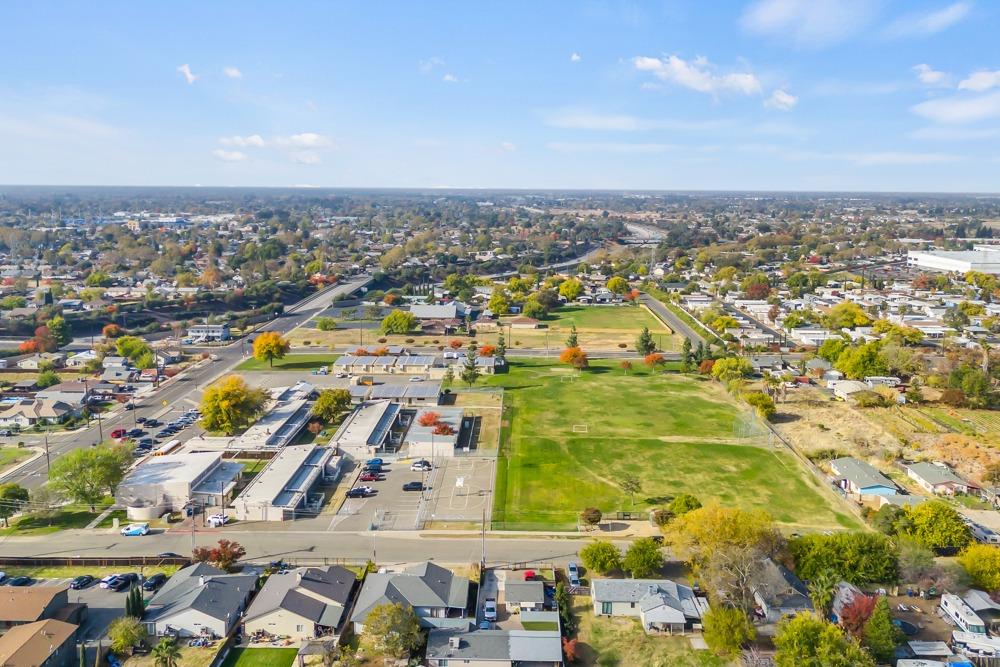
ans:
(367, 430)
(168, 483)
(282, 488)
(956, 261)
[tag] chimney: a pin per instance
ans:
(653, 589)
(454, 642)
(201, 580)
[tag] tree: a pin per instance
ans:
(59, 330)
(645, 344)
(727, 630)
(448, 377)
(860, 558)
(124, 633)
(111, 331)
(470, 371)
(654, 360)
(591, 516)
(47, 379)
(626, 366)
(686, 358)
(630, 484)
(601, 556)
(499, 303)
(570, 289)
(571, 340)
(399, 322)
(569, 647)
(938, 525)
(87, 475)
(761, 403)
(683, 503)
(501, 349)
(618, 285)
(861, 361)
(12, 499)
(565, 606)
(44, 340)
(392, 630)
(533, 309)
(881, 636)
(982, 562)
(846, 315)
(223, 555)
(487, 351)
(326, 323)
(822, 589)
(854, 614)
(269, 346)
(805, 640)
(575, 357)
(131, 347)
(705, 366)
(166, 653)
(331, 403)
(643, 558)
(230, 404)
(731, 368)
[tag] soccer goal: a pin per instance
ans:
(567, 378)
(581, 428)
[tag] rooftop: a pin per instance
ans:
(286, 477)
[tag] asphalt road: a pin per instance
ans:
(677, 324)
(172, 394)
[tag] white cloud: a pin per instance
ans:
(887, 158)
(781, 101)
(608, 147)
(575, 57)
(252, 141)
(936, 133)
(305, 140)
(930, 76)
(811, 23)
(929, 23)
(582, 119)
(186, 72)
(427, 66)
(232, 72)
(507, 147)
(305, 157)
(229, 156)
(697, 75)
(960, 109)
(449, 78)
(980, 81)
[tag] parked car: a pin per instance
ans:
(374, 462)
(416, 379)
(168, 554)
(108, 580)
(124, 582)
(20, 581)
(6, 433)
(413, 486)
(216, 520)
(135, 530)
(154, 582)
(369, 477)
(118, 433)
(145, 443)
(360, 492)
(80, 582)
(153, 423)
(3, 577)
(490, 609)
(135, 433)
(574, 574)
(423, 465)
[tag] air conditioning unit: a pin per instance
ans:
(454, 642)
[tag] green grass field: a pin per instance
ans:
(291, 362)
(674, 432)
(604, 317)
(11, 455)
(260, 657)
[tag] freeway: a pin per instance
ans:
(174, 393)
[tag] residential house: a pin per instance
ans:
(209, 332)
(75, 394)
(27, 604)
(778, 592)
(494, 648)
(438, 596)
(455, 310)
(115, 362)
(119, 375)
(524, 596)
(862, 478)
(47, 643)
(200, 600)
(660, 604)
(303, 604)
(34, 362)
(30, 411)
(939, 479)
(81, 359)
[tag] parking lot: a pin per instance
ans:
(390, 508)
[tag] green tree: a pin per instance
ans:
(982, 563)
(59, 330)
(47, 379)
(618, 285)
(846, 315)
(805, 640)
(686, 358)
(230, 404)
(571, 289)
(124, 633)
(822, 589)
(166, 653)
(131, 347)
(499, 303)
(448, 377)
(601, 556)
(645, 344)
(269, 346)
(761, 403)
(683, 503)
(470, 372)
(86, 475)
(861, 361)
(937, 525)
(392, 630)
(643, 558)
(331, 403)
(860, 558)
(731, 368)
(727, 630)
(12, 499)
(97, 279)
(326, 323)
(399, 322)
(572, 341)
(880, 635)
(501, 351)
(533, 309)
(630, 484)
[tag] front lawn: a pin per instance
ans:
(291, 362)
(569, 438)
(60, 519)
(11, 455)
(260, 657)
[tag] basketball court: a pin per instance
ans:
(462, 491)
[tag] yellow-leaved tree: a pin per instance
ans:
(230, 405)
(269, 346)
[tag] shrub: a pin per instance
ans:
(409, 341)
(383, 340)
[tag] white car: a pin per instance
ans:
(421, 466)
(416, 379)
(107, 580)
(216, 520)
(490, 610)
(135, 530)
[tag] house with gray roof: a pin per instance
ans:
(439, 597)
(778, 592)
(859, 477)
(939, 479)
(307, 603)
(200, 600)
(494, 648)
(660, 604)
(524, 595)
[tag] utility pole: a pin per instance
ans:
(484, 539)
(47, 467)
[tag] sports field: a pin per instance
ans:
(567, 443)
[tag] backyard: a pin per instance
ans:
(260, 657)
(565, 447)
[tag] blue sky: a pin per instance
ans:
(758, 94)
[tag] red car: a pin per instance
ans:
(369, 477)
(118, 433)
